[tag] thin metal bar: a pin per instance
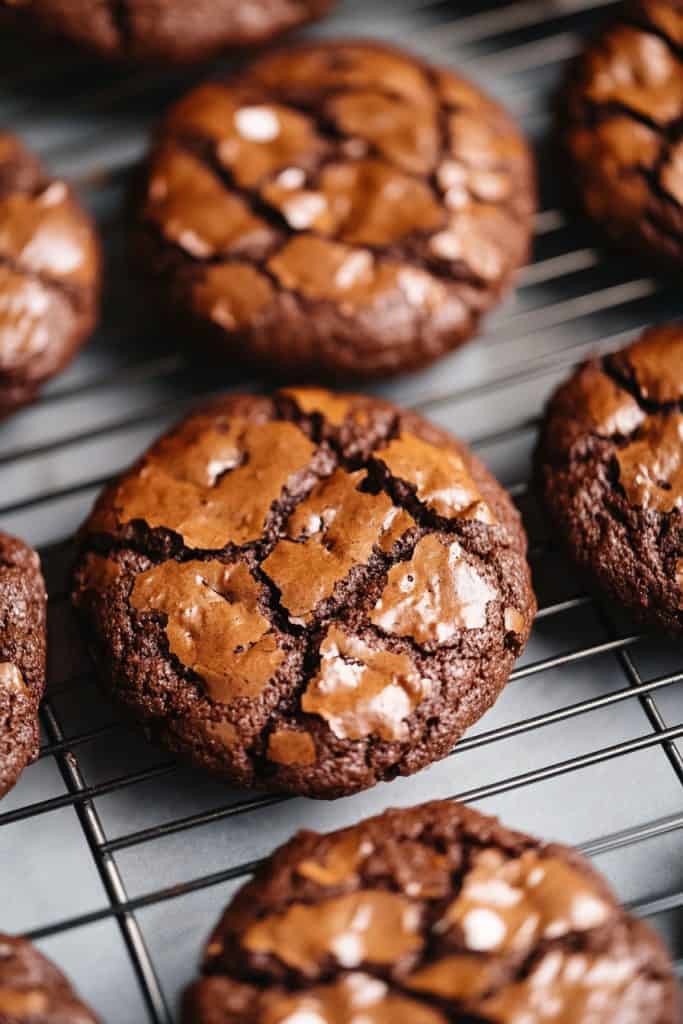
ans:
(571, 764)
(647, 703)
(652, 712)
(102, 789)
(518, 325)
(606, 647)
(523, 672)
(153, 412)
(57, 492)
(580, 601)
(530, 370)
(511, 18)
(140, 902)
(543, 271)
(180, 405)
(550, 50)
(169, 365)
(69, 743)
(109, 873)
(660, 905)
(134, 373)
(547, 221)
(468, 743)
(615, 841)
(55, 803)
(629, 837)
(559, 608)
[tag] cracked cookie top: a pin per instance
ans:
(313, 591)
(612, 464)
(22, 657)
(431, 915)
(339, 207)
(623, 128)
(164, 30)
(33, 990)
(49, 275)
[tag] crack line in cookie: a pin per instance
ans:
(530, 914)
(456, 526)
(400, 254)
(649, 406)
(303, 634)
(120, 18)
(644, 24)
(459, 272)
(53, 283)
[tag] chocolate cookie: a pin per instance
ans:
(22, 657)
(611, 465)
(623, 129)
(164, 30)
(340, 208)
(49, 275)
(33, 990)
(430, 915)
(312, 592)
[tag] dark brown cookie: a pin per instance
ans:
(341, 208)
(623, 129)
(430, 915)
(49, 275)
(312, 592)
(22, 657)
(611, 466)
(164, 30)
(33, 990)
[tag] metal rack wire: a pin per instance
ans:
(114, 858)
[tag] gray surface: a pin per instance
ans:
(592, 769)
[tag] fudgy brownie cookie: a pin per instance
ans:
(313, 592)
(623, 129)
(164, 30)
(426, 916)
(611, 467)
(33, 990)
(49, 275)
(22, 657)
(340, 208)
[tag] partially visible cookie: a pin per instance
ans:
(49, 275)
(164, 30)
(430, 915)
(623, 111)
(33, 990)
(611, 472)
(312, 592)
(337, 209)
(22, 657)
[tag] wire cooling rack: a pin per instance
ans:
(116, 860)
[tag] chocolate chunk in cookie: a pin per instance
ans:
(430, 915)
(623, 130)
(312, 592)
(163, 30)
(22, 657)
(611, 472)
(33, 990)
(49, 275)
(337, 209)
